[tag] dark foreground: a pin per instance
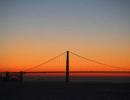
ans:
(62, 91)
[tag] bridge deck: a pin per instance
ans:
(113, 72)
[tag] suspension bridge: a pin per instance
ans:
(67, 65)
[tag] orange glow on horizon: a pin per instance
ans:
(59, 64)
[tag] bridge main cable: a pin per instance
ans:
(110, 66)
(36, 66)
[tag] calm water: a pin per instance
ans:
(80, 77)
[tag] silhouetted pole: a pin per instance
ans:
(67, 66)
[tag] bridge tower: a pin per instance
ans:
(7, 76)
(21, 76)
(67, 66)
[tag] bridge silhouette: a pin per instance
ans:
(67, 71)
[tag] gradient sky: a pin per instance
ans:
(32, 31)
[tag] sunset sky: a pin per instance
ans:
(33, 31)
